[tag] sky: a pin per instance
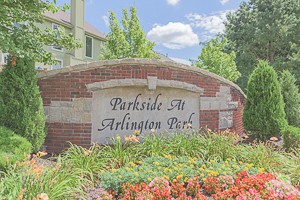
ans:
(176, 26)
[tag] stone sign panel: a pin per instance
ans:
(123, 110)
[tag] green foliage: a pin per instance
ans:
(265, 30)
(13, 148)
(219, 146)
(130, 42)
(171, 168)
(118, 154)
(291, 97)
(291, 166)
(264, 111)
(21, 108)
(291, 137)
(27, 180)
(214, 59)
(262, 155)
(87, 161)
(202, 145)
(20, 32)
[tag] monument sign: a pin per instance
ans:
(124, 110)
(95, 102)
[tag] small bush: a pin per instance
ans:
(21, 107)
(291, 137)
(12, 148)
(291, 97)
(264, 111)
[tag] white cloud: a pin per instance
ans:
(174, 35)
(212, 24)
(173, 2)
(206, 36)
(106, 20)
(223, 1)
(180, 60)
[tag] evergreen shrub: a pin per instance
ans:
(291, 137)
(12, 148)
(291, 97)
(264, 110)
(21, 108)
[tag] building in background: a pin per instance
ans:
(3, 58)
(75, 23)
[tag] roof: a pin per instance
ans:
(64, 17)
(163, 57)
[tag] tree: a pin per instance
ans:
(130, 42)
(291, 97)
(20, 34)
(265, 30)
(264, 110)
(214, 59)
(21, 107)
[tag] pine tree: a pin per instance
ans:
(291, 97)
(21, 108)
(264, 111)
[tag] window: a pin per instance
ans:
(54, 27)
(17, 25)
(88, 47)
(3, 58)
(20, 24)
(58, 64)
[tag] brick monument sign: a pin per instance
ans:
(92, 103)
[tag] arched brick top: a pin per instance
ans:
(138, 62)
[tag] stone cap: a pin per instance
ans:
(151, 82)
(138, 62)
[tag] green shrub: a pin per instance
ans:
(203, 145)
(88, 161)
(291, 137)
(291, 97)
(21, 108)
(291, 166)
(28, 180)
(264, 111)
(262, 155)
(12, 148)
(219, 146)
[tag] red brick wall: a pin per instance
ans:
(65, 86)
(60, 134)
